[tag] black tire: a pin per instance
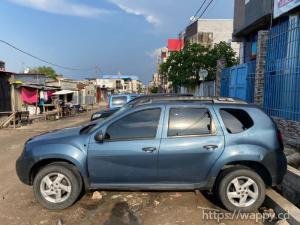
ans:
(229, 175)
(74, 178)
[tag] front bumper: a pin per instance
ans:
(23, 166)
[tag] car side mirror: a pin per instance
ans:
(99, 137)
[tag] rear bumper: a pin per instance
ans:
(281, 170)
(23, 170)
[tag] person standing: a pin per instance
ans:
(41, 101)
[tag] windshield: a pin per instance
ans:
(119, 100)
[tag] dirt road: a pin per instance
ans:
(18, 205)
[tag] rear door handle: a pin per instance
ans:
(149, 149)
(210, 147)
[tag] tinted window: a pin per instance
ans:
(119, 100)
(142, 124)
(236, 120)
(189, 121)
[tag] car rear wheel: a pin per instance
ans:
(241, 190)
(57, 186)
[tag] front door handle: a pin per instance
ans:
(149, 149)
(210, 147)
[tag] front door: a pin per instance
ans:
(129, 153)
(191, 143)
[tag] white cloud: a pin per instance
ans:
(155, 53)
(137, 8)
(63, 7)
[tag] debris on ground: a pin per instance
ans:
(176, 195)
(282, 222)
(60, 222)
(103, 193)
(156, 203)
(97, 195)
(269, 214)
(115, 196)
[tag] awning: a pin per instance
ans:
(63, 92)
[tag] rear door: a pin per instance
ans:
(191, 143)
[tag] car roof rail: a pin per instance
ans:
(213, 100)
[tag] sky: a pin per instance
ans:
(102, 36)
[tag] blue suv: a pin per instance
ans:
(175, 143)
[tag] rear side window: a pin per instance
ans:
(120, 100)
(189, 121)
(236, 120)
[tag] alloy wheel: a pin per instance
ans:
(55, 187)
(242, 191)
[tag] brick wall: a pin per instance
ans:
(262, 42)
(221, 63)
(290, 130)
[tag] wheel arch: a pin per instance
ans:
(257, 167)
(67, 162)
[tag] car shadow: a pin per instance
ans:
(122, 215)
(212, 198)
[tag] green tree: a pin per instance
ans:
(219, 51)
(47, 70)
(154, 90)
(182, 68)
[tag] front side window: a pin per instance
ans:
(138, 125)
(189, 121)
(236, 120)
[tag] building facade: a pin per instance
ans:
(269, 31)
(209, 32)
(118, 84)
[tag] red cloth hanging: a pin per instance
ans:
(29, 95)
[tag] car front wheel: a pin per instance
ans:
(241, 190)
(57, 186)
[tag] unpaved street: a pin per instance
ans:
(18, 205)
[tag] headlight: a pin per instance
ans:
(96, 116)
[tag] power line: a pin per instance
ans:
(43, 60)
(206, 8)
(197, 12)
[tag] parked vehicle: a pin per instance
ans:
(140, 99)
(178, 143)
(117, 101)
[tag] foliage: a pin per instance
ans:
(47, 70)
(154, 90)
(182, 68)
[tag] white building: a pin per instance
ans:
(120, 84)
(209, 32)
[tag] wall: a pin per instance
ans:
(212, 30)
(205, 89)
(39, 79)
(5, 93)
(290, 130)
(239, 15)
(252, 15)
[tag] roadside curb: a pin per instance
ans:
(282, 205)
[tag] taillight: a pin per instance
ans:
(280, 138)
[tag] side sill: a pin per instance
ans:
(157, 186)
